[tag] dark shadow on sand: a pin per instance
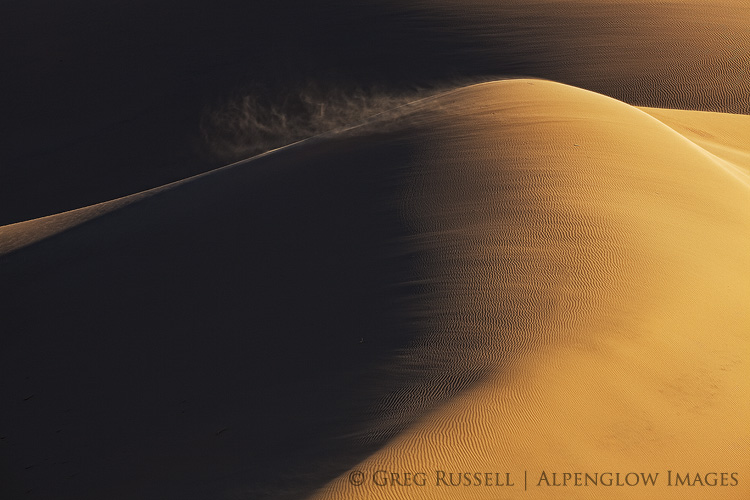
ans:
(223, 337)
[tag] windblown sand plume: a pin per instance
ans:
(512, 276)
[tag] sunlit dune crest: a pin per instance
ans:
(599, 260)
(513, 276)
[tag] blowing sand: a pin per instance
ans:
(512, 276)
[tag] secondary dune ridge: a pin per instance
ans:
(518, 275)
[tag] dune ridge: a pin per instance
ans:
(720, 134)
(21, 234)
(493, 268)
(724, 135)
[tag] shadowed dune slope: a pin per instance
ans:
(514, 275)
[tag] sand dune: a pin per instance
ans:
(513, 276)
(510, 278)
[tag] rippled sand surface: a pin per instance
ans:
(591, 259)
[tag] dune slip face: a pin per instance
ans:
(518, 278)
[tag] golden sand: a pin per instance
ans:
(593, 261)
